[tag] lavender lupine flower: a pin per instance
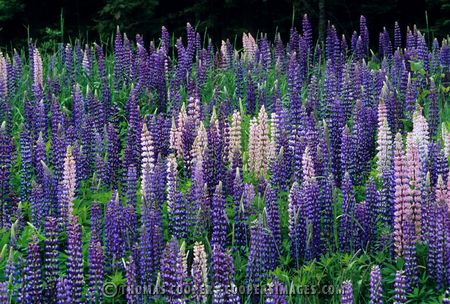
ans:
(374, 208)
(6, 150)
(410, 256)
(95, 289)
(219, 219)
(75, 280)
(438, 216)
(131, 186)
(273, 217)
(4, 298)
(260, 256)
(397, 36)
(174, 271)
(38, 206)
(66, 188)
(347, 293)
(199, 274)
(96, 220)
(131, 275)
(348, 155)
(150, 245)
(51, 266)
(223, 273)
(326, 205)
(346, 224)
(376, 288)
(63, 291)
(33, 273)
(114, 230)
(179, 216)
(403, 197)
(296, 223)
(400, 288)
(26, 165)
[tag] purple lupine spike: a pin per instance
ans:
(75, 278)
(26, 165)
(410, 256)
(179, 216)
(114, 231)
(51, 262)
(63, 292)
(38, 205)
(376, 288)
(78, 111)
(346, 223)
(361, 233)
(261, 259)
(94, 294)
(273, 220)
(216, 151)
(223, 273)
(400, 287)
(96, 220)
(219, 219)
(347, 293)
(131, 185)
(446, 299)
(33, 273)
(364, 33)
(6, 152)
(132, 283)
(326, 205)
(374, 209)
(348, 154)
(438, 218)
(173, 271)
(118, 58)
(132, 153)
(4, 298)
(297, 229)
(69, 64)
(151, 244)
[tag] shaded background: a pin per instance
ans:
(63, 20)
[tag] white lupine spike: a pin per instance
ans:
(68, 183)
(199, 273)
(37, 68)
(235, 136)
(147, 159)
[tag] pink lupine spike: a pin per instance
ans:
(402, 202)
(415, 179)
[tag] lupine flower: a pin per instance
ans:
(95, 291)
(219, 220)
(400, 288)
(438, 216)
(384, 140)
(415, 182)
(113, 156)
(26, 169)
(173, 271)
(402, 207)
(51, 266)
(131, 275)
(147, 162)
(4, 298)
(223, 273)
(75, 279)
(114, 230)
(66, 193)
(63, 292)
(33, 274)
(260, 256)
(199, 274)
(347, 293)
(376, 288)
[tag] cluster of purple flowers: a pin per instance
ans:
(185, 156)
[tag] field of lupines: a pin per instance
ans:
(177, 172)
